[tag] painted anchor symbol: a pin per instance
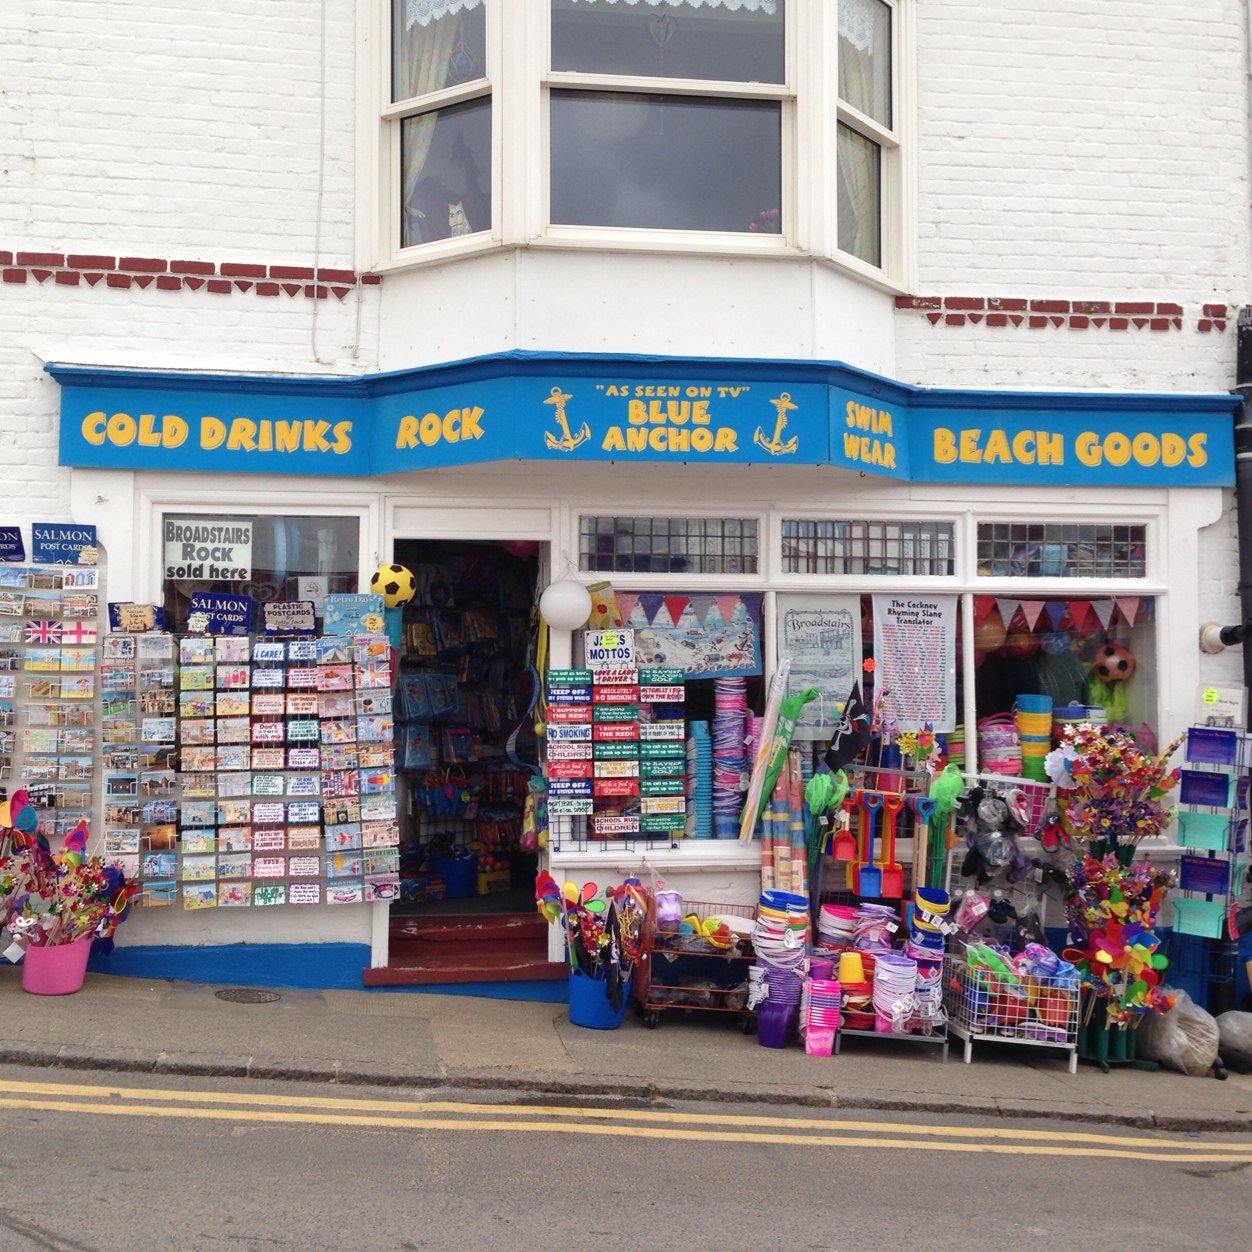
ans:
(565, 442)
(776, 446)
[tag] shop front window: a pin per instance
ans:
(1061, 550)
(817, 546)
(669, 545)
(441, 106)
(260, 556)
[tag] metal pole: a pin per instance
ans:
(1243, 480)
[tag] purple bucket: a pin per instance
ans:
(776, 1024)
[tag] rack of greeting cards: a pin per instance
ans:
(49, 656)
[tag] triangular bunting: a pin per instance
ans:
(650, 602)
(676, 605)
(1031, 610)
(728, 604)
(1056, 613)
(982, 606)
(1104, 611)
(1079, 611)
(1007, 609)
(1129, 606)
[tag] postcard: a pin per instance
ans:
(373, 703)
(232, 703)
(268, 678)
(234, 839)
(266, 894)
(268, 784)
(158, 703)
(304, 839)
(372, 755)
(377, 729)
(334, 650)
(157, 756)
(233, 757)
(197, 813)
(379, 834)
(269, 867)
(39, 739)
(198, 759)
(334, 678)
(159, 838)
(80, 607)
(234, 813)
(269, 704)
(343, 810)
(379, 808)
(303, 730)
(78, 687)
(119, 841)
(235, 865)
(304, 811)
(338, 730)
(116, 814)
(340, 756)
(269, 839)
(304, 866)
(43, 660)
(269, 651)
(75, 768)
(267, 758)
(233, 729)
(335, 704)
(156, 674)
(77, 660)
(302, 704)
(268, 732)
(157, 729)
(382, 887)
(195, 650)
(200, 896)
(199, 868)
(198, 841)
(119, 648)
(159, 811)
(304, 785)
(199, 785)
(196, 704)
(118, 676)
(231, 648)
(128, 864)
(196, 731)
(77, 634)
(233, 677)
(344, 891)
(233, 785)
(159, 864)
(154, 647)
(374, 782)
(302, 676)
(195, 677)
(234, 895)
(344, 865)
(122, 759)
(12, 604)
(376, 675)
(344, 836)
(304, 893)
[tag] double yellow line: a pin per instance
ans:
(448, 1115)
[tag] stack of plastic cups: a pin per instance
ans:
(836, 927)
(895, 992)
(752, 735)
(822, 1016)
(872, 922)
(699, 782)
(730, 700)
(1097, 714)
(1034, 734)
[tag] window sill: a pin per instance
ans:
(690, 854)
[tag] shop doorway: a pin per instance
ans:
(465, 742)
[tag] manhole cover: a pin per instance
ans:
(248, 995)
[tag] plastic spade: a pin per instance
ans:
(843, 847)
(891, 871)
(867, 875)
(923, 809)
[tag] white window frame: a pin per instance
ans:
(521, 82)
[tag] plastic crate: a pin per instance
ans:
(492, 882)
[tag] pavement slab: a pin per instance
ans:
(448, 1042)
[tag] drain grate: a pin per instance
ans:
(248, 995)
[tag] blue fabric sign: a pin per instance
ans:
(55, 544)
(224, 612)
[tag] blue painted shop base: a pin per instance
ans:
(300, 966)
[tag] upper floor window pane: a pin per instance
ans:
(445, 165)
(669, 545)
(739, 41)
(1062, 550)
(860, 196)
(665, 162)
(855, 547)
(436, 44)
(865, 57)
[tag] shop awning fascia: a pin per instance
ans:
(754, 411)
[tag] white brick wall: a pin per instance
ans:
(1074, 146)
(176, 128)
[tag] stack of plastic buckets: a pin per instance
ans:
(780, 938)
(856, 971)
(699, 782)
(730, 699)
(836, 927)
(895, 992)
(925, 945)
(821, 1019)
(1034, 734)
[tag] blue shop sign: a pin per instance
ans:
(569, 407)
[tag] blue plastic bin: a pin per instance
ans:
(459, 875)
(589, 1004)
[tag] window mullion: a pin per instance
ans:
(438, 99)
(866, 125)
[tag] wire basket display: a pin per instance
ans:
(1035, 1009)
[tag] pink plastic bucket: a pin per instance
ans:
(56, 971)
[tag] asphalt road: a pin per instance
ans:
(94, 1161)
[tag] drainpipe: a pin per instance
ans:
(1243, 487)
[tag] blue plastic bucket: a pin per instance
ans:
(1034, 704)
(459, 875)
(589, 1003)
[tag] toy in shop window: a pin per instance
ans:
(1111, 668)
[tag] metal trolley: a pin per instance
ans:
(688, 973)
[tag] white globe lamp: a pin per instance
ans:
(565, 604)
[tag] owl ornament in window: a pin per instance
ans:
(1112, 667)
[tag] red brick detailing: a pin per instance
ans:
(144, 280)
(340, 292)
(267, 289)
(14, 276)
(194, 283)
(335, 276)
(6, 258)
(1037, 314)
(68, 278)
(319, 293)
(40, 258)
(117, 280)
(219, 286)
(93, 279)
(169, 282)
(142, 265)
(292, 289)
(80, 262)
(231, 270)
(290, 271)
(192, 267)
(371, 280)
(41, 276)
(241, 285)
